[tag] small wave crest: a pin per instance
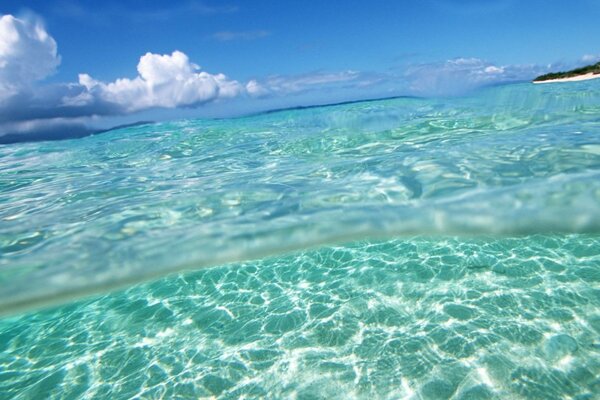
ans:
(86, 215)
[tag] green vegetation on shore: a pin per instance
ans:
(594, 68)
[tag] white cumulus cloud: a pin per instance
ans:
(256, 89)
(168, 81)
(27, 54)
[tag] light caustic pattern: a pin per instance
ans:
(471, 266)
(86, 215)
(418, 318)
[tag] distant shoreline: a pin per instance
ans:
(577, 74)
(583, 77)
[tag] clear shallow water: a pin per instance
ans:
(419, 318)
(456, 314)
(84, 215)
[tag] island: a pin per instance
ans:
(579, 74)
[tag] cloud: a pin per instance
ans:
(451, 77)
(27, 54)
(459, 75)
(103, 13)
(166, 81)
(45, 129)
(279, 84)
(590, 58)
(226, 36)
(256, 89)
(54, 101)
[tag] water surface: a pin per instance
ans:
(403, 248)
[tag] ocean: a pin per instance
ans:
(404, 248)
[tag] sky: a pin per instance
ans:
(79, 65)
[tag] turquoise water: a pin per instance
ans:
(402, 248)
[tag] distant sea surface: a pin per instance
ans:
(414, 248)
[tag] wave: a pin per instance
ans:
(86, 215)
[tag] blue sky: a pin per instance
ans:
(275, 53)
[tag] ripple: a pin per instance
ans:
(98, 213)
